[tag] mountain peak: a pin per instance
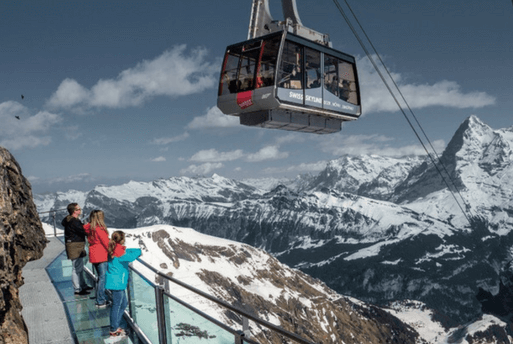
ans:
(470, 138)
(215, 176)
(474, 120)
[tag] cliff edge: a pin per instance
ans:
(22, 239)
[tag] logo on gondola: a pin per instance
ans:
(244, 99)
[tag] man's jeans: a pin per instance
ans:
(119, 303)
(77, 274)
(101, 269)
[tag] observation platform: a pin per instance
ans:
(52, 312)
(54, 315)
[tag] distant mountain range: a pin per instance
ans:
(376, 228)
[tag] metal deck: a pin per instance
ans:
(52, 312)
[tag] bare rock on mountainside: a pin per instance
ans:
(22, 239)
(254, 281)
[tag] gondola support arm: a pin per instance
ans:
(262, 23)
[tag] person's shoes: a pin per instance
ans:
(118, 333)
(102, 305)
(82, 292)
(88, 288)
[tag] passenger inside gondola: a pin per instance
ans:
(345, 90)
(291, 75)
(332, 84)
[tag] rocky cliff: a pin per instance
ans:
(252, 280)
(22, 239)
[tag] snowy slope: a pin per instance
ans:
(252, 279)
(366, 175)
(390, 224)
(480, 162)
(487, 329)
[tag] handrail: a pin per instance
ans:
(140, 334)
(54, 220)
(51, 211)
(195, 310)
(267, 324)
(241, 312)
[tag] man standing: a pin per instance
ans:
(75, 235)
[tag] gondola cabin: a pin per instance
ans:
(285, 81)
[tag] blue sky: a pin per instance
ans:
(126, 90)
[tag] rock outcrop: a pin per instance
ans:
(22, 239)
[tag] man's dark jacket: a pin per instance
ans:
(75, 235)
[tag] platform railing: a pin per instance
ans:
(159, 316)
(163, 317)
(53, 214)
(167, 329)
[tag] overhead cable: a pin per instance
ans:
(373, 62)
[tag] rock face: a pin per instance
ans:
(257, 283)
(22, 239)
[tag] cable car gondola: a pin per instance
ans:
(288, 77)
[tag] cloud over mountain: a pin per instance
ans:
(21, 129)
(176, 72)
(377, 98)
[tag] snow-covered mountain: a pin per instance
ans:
(376, 228)
(371, 176)
(258, 283)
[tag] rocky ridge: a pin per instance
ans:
(22, 239)
(252, 280)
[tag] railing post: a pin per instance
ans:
(54, 225)
(245, 327)
(167, 311)
(161, 317)
(129, 292)
(239, 338)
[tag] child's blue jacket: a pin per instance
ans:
(116, 277)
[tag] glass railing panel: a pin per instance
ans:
(143, 306)
(188, 327)
(87, 264)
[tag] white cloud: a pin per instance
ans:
(33, 179)
(212, 155)
(202, 169)
(72, 132)
(159, 159)
(372, 144)
(376, 97)
(68, 94)
(267, 153)
(290, 138)
(27, 131)
(81, 177)
(214, 118)
(174, 73)
(167, 140)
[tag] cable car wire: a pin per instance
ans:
(371, 59)
(415, 117)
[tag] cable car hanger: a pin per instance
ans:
(287, 76)
(262, 23)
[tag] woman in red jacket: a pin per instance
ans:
(98, 237)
